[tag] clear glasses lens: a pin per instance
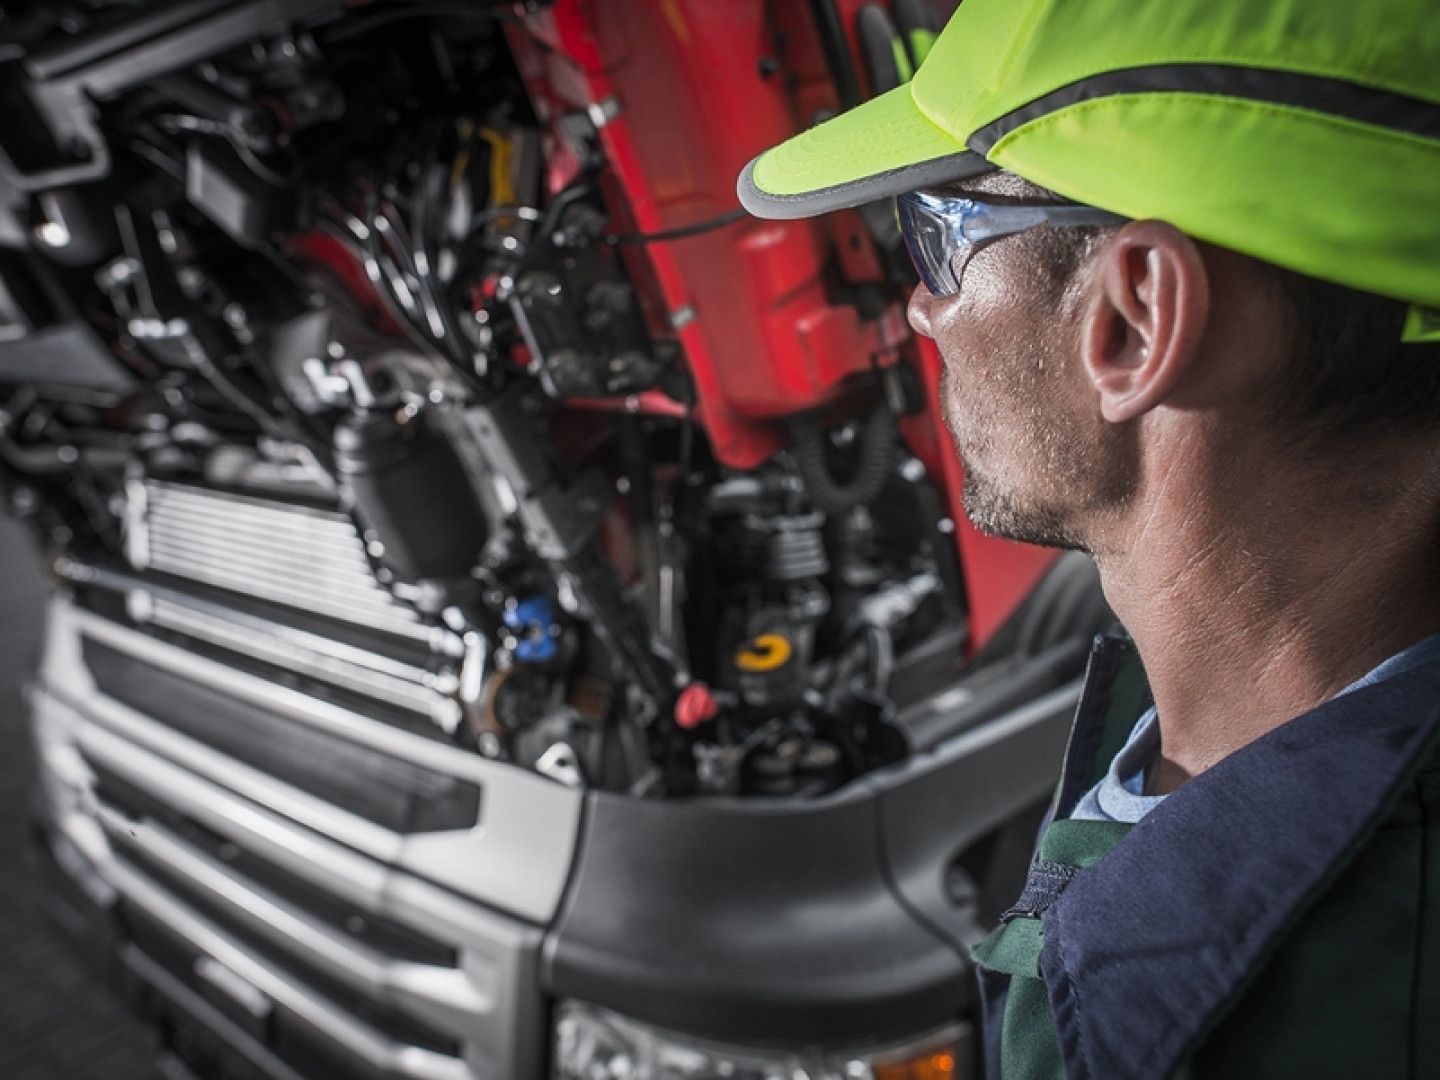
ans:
(940, 231)
(928, 240)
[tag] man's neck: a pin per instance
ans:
(1248, 612)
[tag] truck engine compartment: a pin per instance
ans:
(502, 593)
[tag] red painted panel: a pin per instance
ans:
(699, 95)
(702, 87)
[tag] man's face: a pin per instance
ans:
(1040, 462)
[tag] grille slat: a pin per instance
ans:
(434, 997)
(121, 734)
(518, 859)
(490, 952)
(369, 1049)
(402, 796)
(307, 855)
(322, 888)
(268, 696)
(308, 654)
(188, 522)
(287, 553)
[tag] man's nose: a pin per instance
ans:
(918, 310)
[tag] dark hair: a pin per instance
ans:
(1347, 376)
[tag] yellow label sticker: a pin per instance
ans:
(766, 652)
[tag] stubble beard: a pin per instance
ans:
(1066, 474)
(999, 513)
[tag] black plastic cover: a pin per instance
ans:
(804, 921)
(968, 788)
(229, 193)
(409, 486)
(833, 920)
(750, 922)
(40, 344)
(67, 354)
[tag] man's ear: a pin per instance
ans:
(1145, 319)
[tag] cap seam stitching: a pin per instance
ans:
(1349, 125)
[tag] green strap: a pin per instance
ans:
(1014, 949)
(1128, 698)
(1028, 1044)
(1080, 843)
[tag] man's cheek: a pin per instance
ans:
(947, 399)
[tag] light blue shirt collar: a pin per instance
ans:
(1120, 794)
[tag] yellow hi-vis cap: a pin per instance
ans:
(1303, 132)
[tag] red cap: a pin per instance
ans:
(694, 706)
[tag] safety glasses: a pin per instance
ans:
(940, 230)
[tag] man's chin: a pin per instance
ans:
(998, 513)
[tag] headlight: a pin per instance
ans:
(596, 1044)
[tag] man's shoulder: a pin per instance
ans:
(1353, 988)
(1206, 888)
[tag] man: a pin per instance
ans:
(1206, 352)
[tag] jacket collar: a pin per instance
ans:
(1144, 949)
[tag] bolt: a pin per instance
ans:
(52, 234)
(603, 112)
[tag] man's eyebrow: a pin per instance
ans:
(999, 187)
(1029, 195)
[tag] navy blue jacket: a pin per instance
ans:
(1149, 955)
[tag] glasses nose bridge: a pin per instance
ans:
(936, 235)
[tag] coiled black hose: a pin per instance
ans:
(837, 51)
(877, 454)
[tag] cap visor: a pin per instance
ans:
(877, 150)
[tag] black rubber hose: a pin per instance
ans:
(837, 51)
(55, 460)
(877, 454)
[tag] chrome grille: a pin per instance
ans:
(288, 553)
(264, 910)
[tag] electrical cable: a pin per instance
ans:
(416, 11)
(159, 159)
(682, 232)
(175, 123)
(573, 192)
(427, 212)
(352, 230)
(837, 51)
